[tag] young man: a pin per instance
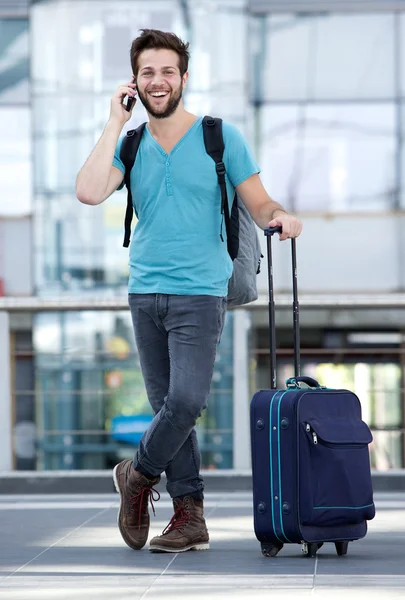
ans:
(179, 272)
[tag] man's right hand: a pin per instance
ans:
(118, 112)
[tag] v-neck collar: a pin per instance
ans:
(181, 140)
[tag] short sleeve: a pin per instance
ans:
(238, 157)
(117, 162)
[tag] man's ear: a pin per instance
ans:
(185, 78)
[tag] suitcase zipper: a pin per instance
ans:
(314, 436)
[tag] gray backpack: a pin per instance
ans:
(243, 242)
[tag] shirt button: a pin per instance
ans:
(167, 164)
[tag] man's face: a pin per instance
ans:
(159, 84)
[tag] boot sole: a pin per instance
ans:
(202, 546)
(124, 537)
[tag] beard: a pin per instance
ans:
(164, 112)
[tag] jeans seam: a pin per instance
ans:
(170, 368)
(193, 455)
(221, 318)
(150, 437)
(168, 394)
(162, 314)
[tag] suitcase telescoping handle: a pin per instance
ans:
(269, 232)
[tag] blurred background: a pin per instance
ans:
(318, 89)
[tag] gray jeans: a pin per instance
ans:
(177, 339)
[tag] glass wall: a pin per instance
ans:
(15, 119)
(327, 94)
(92, 406)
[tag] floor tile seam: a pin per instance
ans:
(158, 576)
(80, 504)
(314, 576)
(53, 545)
(105, 497)
(208, 515)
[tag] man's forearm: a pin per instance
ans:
(93, 177)
(268, 212)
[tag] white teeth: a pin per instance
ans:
(158, 94)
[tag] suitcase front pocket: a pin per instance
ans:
(335, 479)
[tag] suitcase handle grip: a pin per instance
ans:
(292, 381)
(269, 231)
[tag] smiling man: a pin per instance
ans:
(179, 273)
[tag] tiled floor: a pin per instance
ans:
(69, 547)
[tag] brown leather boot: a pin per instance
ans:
(135, 492)
(187, 529)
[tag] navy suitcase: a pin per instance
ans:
(310, 458)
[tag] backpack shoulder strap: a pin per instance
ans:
(129, 149)
(214, 140)
(214, 146)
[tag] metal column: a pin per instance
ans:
(6, 455)
(241, 392)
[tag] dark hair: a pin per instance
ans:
(159, 40)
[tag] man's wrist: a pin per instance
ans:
(114, 126)
(277, 212)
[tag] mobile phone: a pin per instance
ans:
(129, 103)
(131, 99)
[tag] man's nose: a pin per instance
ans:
(157, 79)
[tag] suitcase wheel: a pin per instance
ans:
(310, 549)
(270, 550)
(341, 548)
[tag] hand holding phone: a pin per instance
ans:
(120, 110)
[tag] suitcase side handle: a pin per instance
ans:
(293, 381)
(269, 232)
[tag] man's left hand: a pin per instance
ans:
(292, 226)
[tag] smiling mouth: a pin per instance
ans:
(158, 94)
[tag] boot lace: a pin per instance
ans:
(180, 518)
(139, 502)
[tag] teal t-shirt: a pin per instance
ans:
(176, 246)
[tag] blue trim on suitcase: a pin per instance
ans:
(271, 466)
(279, 467)
(275, 468)
(344, 507)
